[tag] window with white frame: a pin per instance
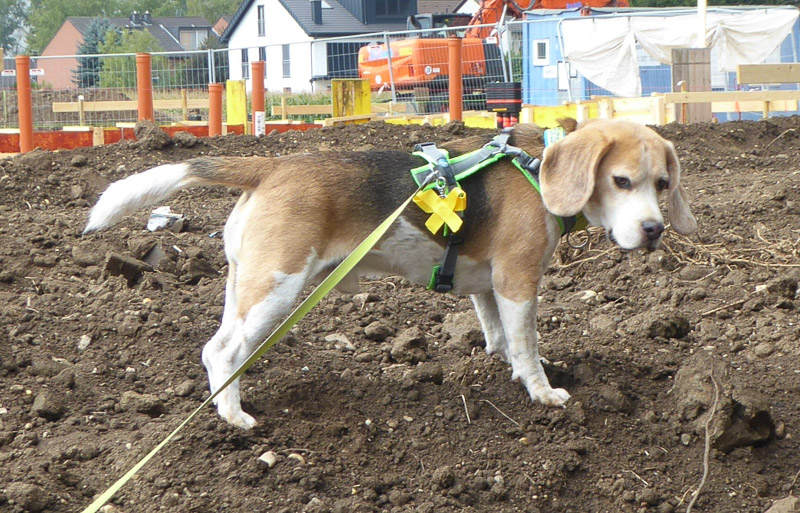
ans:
(541, 52)
(262, 23)
(245, 64)
(287, 65)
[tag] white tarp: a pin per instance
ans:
(603, 49)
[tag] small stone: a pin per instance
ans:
(185, 388)
(48, 406)
(764, 349)
(444, 477)
(665, 507)
(65, 379)
(686, 438)
(76, 192)
(197, 268)
(150, 136)
(269, 458)
(365, 297)
(84, 342)
(603, 323)
(649, 497)
(399, 497)
(341, 342)
(142, 403)
(780, 430)
(464, 330)
(27, 496)
(428, 373)
(785, 287)
(410, 346)
(378, 331)
(694, 272)
(85, 254)
(79, 160)
(789, 504)
(126, 266)
(185, 139)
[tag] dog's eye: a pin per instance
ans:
(662, 184)
(622, 182)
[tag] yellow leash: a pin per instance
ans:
(310, 302)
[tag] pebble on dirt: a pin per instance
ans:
(410, 346)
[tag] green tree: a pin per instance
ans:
(211, 10)
(13, 19)
(47, 16)
(121, 71)
(87, 74)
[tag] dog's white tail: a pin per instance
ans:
(152, 186)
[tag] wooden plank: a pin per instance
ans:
(732, 96)
(345, 119)
(767, 73)
(753, 106)
(121, 105)
(302, 110)
(98, 136)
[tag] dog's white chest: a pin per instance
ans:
(409, 252)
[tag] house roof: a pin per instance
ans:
(166, 30)
(438, 6)
(336, 21)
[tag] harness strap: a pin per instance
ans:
(451, 171)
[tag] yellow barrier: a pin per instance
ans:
(236, 101)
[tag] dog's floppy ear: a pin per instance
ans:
(680, 216)
(568, 170)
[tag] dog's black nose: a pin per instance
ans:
(653, 229)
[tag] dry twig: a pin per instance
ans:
(707, 448)
(501, 411)
(466, 410)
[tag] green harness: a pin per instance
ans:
(443, 173)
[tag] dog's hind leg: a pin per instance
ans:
(489, 317)
(252, 323)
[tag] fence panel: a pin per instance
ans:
(409, 68)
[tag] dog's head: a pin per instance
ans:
(613, 171)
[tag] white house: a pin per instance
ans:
(293, 38)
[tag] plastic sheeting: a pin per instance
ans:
(603, 49)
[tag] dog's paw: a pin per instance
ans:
(240, 419)
(551, 396)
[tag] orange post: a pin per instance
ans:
(258, 91)
(214, 109)
(454, 67)
(24, 105)
(144, 86)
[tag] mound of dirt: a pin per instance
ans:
(101, 354)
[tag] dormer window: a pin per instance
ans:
(193, 39)
(391, 8)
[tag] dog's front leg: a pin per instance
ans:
(519, 324)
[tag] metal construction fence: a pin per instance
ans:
(100, 90)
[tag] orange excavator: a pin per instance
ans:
(420, 62)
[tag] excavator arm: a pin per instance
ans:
(491, 11)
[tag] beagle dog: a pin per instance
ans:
(302, 214)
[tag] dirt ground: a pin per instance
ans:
(97, 368)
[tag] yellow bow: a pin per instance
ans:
(442, 210)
